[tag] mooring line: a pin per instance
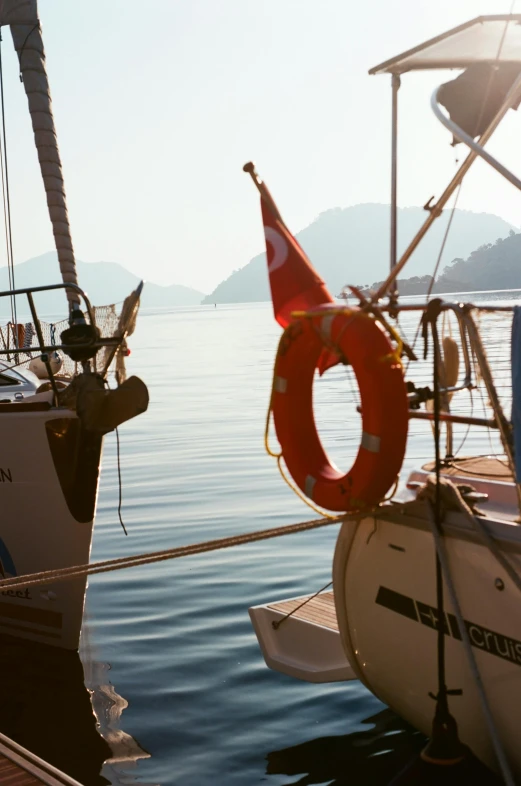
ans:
(76, 571)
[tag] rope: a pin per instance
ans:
(120, 485)
(442, 707)
(467, 432)
(277, 623)
(279, 456)
(474, 472)
(77, 571)
(441, 555)
(395, 356)
(453, 500)
(444, 241)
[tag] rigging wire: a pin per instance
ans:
(482, 109)
(436, 267)
(444, 241)
(442, 715)
(277, 623)
(6, 200)
(445, 237)
(492, 72)
(467, 431)
(493, 451)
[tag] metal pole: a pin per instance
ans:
(436, 210)
(41, 342)
(263, 190)
(469, 141)
(395, 85)
(448, 417)
(505, 428)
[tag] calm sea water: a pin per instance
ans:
(175, 673)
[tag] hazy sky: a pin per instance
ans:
(159, 104)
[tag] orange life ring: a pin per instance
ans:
(356, 336)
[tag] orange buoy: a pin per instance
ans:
(360, 340)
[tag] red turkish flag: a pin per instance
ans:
(295, 284)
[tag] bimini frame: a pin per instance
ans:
(496, 40)
(485, 39)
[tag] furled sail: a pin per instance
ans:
(22, 17)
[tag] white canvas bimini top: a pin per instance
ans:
(483, 39)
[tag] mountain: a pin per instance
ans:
(491, 266)
(103, 282)
(351, 245)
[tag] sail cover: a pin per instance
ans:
(22, 17)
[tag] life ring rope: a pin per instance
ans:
(333, 312)
(320, 322)
(324, 513)
(279, 455)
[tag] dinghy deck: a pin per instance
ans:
(319, 610)
(299, 637)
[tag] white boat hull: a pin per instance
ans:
(385, 596)
(48, 488)
(299, 637)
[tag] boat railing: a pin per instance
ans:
(471, 345)
(513, 96)
(43, 347)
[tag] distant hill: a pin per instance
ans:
(416, 285)
(351, 245)
(491, 266)
(104, 283)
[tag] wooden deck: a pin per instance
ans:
(19, 767)
(12, 774)
(479, 467)
(320, 610)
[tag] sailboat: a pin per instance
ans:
(424, 609)
(55, 404)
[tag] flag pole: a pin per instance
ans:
(263, 190)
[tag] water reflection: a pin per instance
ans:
(46, 707)
(364, 758)
(108, 705)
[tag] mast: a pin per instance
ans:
(22, 17)
(394, 178)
